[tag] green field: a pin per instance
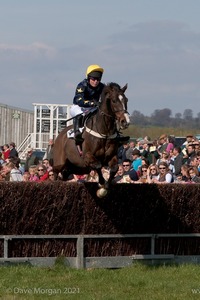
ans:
(154, 132)
(135, 282)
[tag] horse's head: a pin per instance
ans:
(117, 104)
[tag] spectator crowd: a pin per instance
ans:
(159, 161)
(33, 169)
(141, 161)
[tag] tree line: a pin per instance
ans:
(163, 118)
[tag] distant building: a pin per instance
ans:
(15, 124)
(32, 128)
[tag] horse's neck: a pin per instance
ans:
(102, 122)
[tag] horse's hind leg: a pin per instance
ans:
(65, 175)
(91, 161)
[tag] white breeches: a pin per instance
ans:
(77, 110)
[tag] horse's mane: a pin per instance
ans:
(113, 85)
(109, 87)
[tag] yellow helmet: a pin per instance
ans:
(94, 68)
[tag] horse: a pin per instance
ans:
(99, 147)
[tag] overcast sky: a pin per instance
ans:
(153, 45)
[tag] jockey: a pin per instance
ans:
(86, 97)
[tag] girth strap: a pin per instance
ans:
(101, 136)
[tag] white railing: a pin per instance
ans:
(32, 141)
(26, 143)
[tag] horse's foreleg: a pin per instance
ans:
(101, 178)
(91, 161)
(113, 164)
(102, 191)
(104, 185)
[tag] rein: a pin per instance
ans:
(98, 134)
(115, 111)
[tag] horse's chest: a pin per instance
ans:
(107, 150)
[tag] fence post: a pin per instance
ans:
(153, 244)
(80, 252)
(5, 247)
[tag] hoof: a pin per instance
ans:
(101, 192)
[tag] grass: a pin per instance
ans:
(136, 282)
(154, 132)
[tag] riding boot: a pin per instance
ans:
(121, 139)
(77, 134)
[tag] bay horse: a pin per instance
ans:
(99, 147)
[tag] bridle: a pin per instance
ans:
(114, 112)
(106, 114)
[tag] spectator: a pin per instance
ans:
(42, 172)
(194, 175)
(145, 161)
(26, 176)
(16, 161)
(164, 158)
(189, 140)
(49, 152)
(33, 173)
(80, 177)
(147, 152)
(121, 155)
(105, 172)
(152, 173)
(178, 179)
(155, 150)
(31, 159)
(142, 173)
(13, 151)
(190, 152)
(52, 176)
(194, 162)
(1, 173)
(11, 172)
(164, 175)
(5, 173)
(140, 143)
(130, 149)
(92, 176)
(137, 161)
(70, 178)
(1, 159)
(47, 164)
(119, 175)
(198, 158)
(196, 145)
(185, 174)
(128, 170)
(176, 161)
(162, 143)
(6, 152)
(170, 143)
(152, 153)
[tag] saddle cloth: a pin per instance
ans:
(70, 132)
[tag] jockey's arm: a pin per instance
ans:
(79, 98)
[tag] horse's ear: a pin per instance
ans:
(124, 88)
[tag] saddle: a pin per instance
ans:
(80, 122)
(90, 113)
